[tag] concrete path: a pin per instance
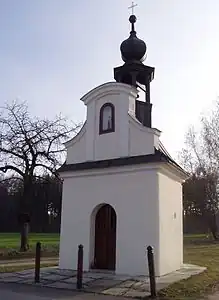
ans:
(98, 282)
(26, 261)
(20, 292)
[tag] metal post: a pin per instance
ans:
(148, 93)
(37, 262)
(150, 254)
(80, 267)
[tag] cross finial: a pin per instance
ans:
(133, 6)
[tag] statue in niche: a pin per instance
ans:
(107, 118)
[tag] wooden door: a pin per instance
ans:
(105, 238)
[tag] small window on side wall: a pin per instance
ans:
(107, 118)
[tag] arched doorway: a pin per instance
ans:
(105, 238)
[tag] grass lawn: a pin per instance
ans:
(203, 252)
(10, 242)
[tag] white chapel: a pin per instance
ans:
(121, 189)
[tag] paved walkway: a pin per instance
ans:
(26, 261)
(99, 283)
(22, 292)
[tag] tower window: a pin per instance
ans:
(107, 118)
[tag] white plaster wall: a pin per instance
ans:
(134, 196)
(142, 140)
(122, 97)
(103, 147)
(90, 131)
(130, 137)
(171, 224)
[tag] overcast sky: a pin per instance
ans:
(52, 52)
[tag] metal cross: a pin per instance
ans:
(133, 6)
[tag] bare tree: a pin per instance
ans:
(201, 158)
(29, 147)
(200, 199)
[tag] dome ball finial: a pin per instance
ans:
(132, 19)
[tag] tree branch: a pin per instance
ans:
(12, 168)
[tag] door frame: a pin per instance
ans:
(92, 237)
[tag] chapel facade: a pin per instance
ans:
(122, 191)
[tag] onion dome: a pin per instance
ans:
(133, 49)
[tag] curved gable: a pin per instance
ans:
(108, 88)
(76, 147)
(77, 137)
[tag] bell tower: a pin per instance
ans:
(135, 73)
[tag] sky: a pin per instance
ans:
(52, 52)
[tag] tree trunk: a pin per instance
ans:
(214, 232)
(25, 216)
(25, 227)
(213, 227)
